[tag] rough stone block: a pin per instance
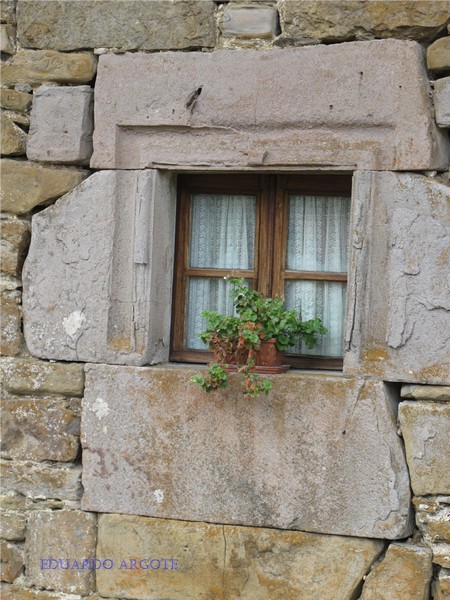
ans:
(11, 564)
(425, 427)
(15, 100)
(441, 589)
(12, 525)
(340, 20)
(442, 101)
(137, 25)
(47, 66)
(37, 429)
(433, 521)
(15, 238)
(67, 136)
(319, 454)
(7, 35)
(398, 278)
(13, 139)
(39, 481)
(250, 21)
(7, 11)
(28, 376)
(226, 562)
(108, 249)
(354, 113)
(404, 573)
(438, 55)
(16, 592)
(11, 337)
(26, 185)
(440, 393)
(63, 534)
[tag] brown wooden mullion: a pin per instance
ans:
(219, 273)
(315, 276)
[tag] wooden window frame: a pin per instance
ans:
(269, 276)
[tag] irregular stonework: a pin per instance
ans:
(336, 117)
(14, 592)
(441, 589)
(28, 376)
(13, 139)
(404, 574)
(38, 480)
(11, 337)
(26, 185)
(338, 21)
(7, 34)
(433, 521)
(137, 25)
(15, 238)
(15, 100)
(438, 55)
(442, 101)
(11, 564)
(44, 66)
(66, 535)
(67, 136)
(110, 266)
(425, 427)
(12, 525)
(7, 11)
(320, 453)
(439, 393)
(198, 560)
(249, 21)
(37, 429)
(398, 278)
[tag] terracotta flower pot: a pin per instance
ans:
(268, 354)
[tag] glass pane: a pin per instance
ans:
(222, 231)
(317, 233)
(323, 299)
(205, 294)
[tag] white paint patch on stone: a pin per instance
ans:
(159, 495)
(100, 408)
(73, 323)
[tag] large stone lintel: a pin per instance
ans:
(333, 107)
(320, 453)
(99, 271)
(398, 307)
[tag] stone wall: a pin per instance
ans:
(295, 504)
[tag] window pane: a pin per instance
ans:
(323, 299)
(222, 231)
(205, 294)
(317, 233)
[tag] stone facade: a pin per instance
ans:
(290, 86)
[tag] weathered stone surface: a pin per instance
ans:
(17, 117)
(26, 185)
(62, 534)
(441, 589)
(45, 66)
(36, 429)
(425, 428)
(226, 562)
(15, 238)
(438, 55)
(13, 139)
(320, 20)
(442, 101)
(249, 21)
(398, 278)
(404, 574)
(433, 521)
(138, 25)
(320, 454)
(15, 100)
(11, 500)
(426, 392)
(12, 525)
(11, 564)
(340, 116)
(28, 376)
(15, 592)
(10, 325)
(36, 480)
(7, 34)
(7, 11)
(67, 136)
(110, 266)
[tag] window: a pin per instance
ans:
(287, 235)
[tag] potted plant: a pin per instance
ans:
(253, 340)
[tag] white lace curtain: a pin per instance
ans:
(318, 241)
